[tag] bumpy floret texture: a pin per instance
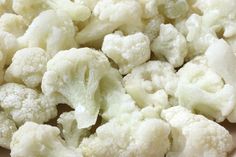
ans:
(127, 51)
(137, 134)
(35, 140)
(25, 104)
(203, 91)
(28, 66)
(196, 136)
(7, 128)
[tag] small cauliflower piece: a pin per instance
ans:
(74, 77)
(28, 66)
(14, 24)
(170, 44)
(88, 3)
(30, 9)
(222, 60)
(138, 134)
(7, 128)
(203, 91)
(8, 45)
(70, 133)
(52, 31)
(105, 20)
(35, 140)
(196, 136)
(25, 104)
(151, 83)
(127, 51)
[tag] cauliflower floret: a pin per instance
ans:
(35, 140)
(8, 45)
(145, 82)
(105, 20)
(195, 135)
(88, 3)
(138, 134)
(150, 8)
(52, 31)
(222, 60)
(127, 51)
(30, 9)
(203, 91)
(25, 104)
(28, 66)
(71, 134)
(12, 23)
(7, 128)
(170, 44)
(74, 77)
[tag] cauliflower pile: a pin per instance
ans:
(142, 78)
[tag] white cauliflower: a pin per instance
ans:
(35, 140)
(25, 104)
(12, 23)
(171, 45)
(8, 45)
(7, 128)
(127, 51)
(149, 8)
(74, 77)
(196, 136)
(88, 3)
(145, 83)
(203, 91)
(52, 31)
(139, 134)
(222, 60)
(30, 9)
(28, 66)
(105, 20)
(70, 133)
(199, 36)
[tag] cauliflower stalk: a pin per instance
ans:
(25, 104)
(138, 134)
(7, 128)
(35, 140)
(28, 66)
(127, 51)
(196, 136)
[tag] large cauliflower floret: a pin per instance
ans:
(195, 135)
(149, 84)
(127, 51)
(138, 134)
(105, 20)
(28, 66)
(171, 45)
(7, 128)
(203, 91)
(8, 45)
(52, 31)
(25, 104)
(71, 134)
(12, 23)
(222, 60)
(74, 77)
(35, 140)
(30, 9)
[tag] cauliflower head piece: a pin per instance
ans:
(203, 91)
(138, 134)
(151, 83)
(25, 104)
(51, 30)
(7, 128)
(196, 136)
(28, 66)
(38, 140)
(127, 51)
(170, 44)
